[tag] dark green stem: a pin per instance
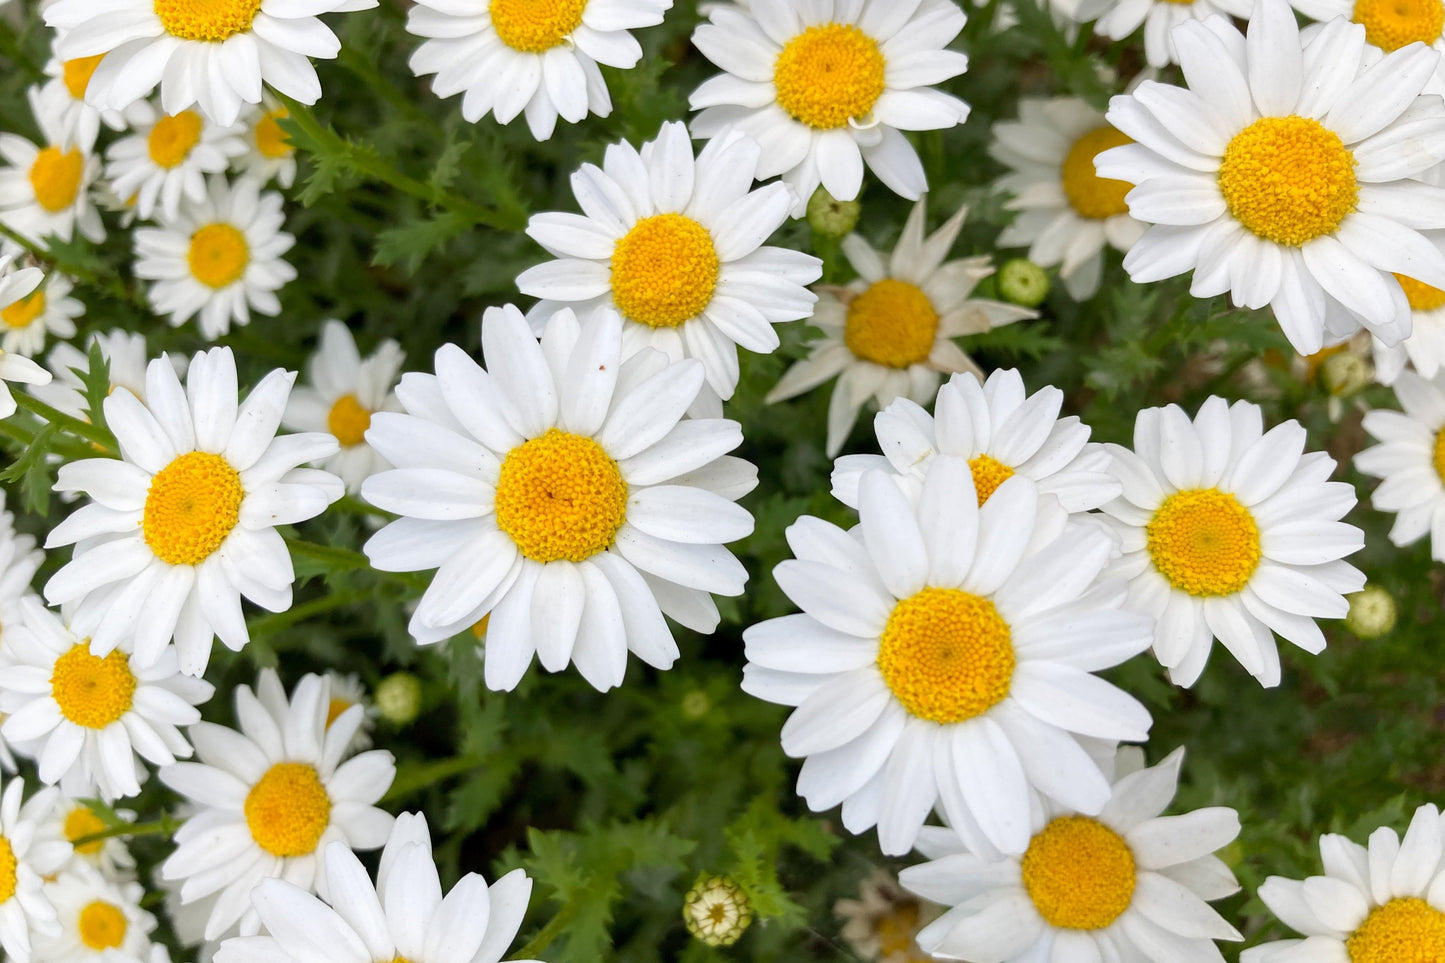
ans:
(76, 426)
(164, 826)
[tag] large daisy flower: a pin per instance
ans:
(100, 921)
(1231, 532)
(1283, 174)
(184, 523)
(166, 160)
(269, 798)
(944, 658)
(561, 492)
(1410, 460)
(1118, 19)
(889, 334)
(25, 858)
(126, 359)
(45, 190)
(48, 311)
(826, 87)
(17, 283)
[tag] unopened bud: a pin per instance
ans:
(1372, 612)
(831, 217)
(398, 698)
(1344, 374)
(716, 910)
(1023, 282)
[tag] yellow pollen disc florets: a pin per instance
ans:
(829, 75)
(102, 925)
(1405, 930)
(892, 323)
(77, 74)
(218, 255)
(1439, 454)
(209, 21)
(80, 823)
(92, 691)
(192, 505)
(55, 177)
(171, 139)
(288, 809)
(348, 420)
(947, 655)
(535, 26)
(1089, 194)
(1079, 873)
(1391, 24)
(664, 271)
(1422, 296)
(8, 870)
(560, 496)
(271, 140)
(988, 474)
(335, 708)
(23, 313)
(1288, 179)
(1204, 542)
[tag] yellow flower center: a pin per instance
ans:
(988, 474)
(23, 312)
(348, 421)
(102, 925)
(271, 140)
(1288, 179)
(92, 691)
(171, 139)
(829, 75)
(892, 323)
(80, 823)
(664, 271)
(1089, 194)
(288, 809)
(1079, 873)
(1204, 542)
(896, 931)
(77, 74)
(1391, 24)
(218, 255)
(1439, 458)
(560, 496)
(192, 505)
(1422, 297)
(535, 26)
(8, 870)
(479, 627)
(947, 655)
(1404, 930)
(209, 21)
(55, 177)
(335, 708)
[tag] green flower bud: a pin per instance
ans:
(1344, 374)
(1372, 612)
(1023, 282)
(831, 217)
(716, 910)
(398, 698)
(695, 704)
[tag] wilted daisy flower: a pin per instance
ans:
(62, 99)
(1126, 884)
(1230, 532)
(344, 392)
(269, 152)
(1118, 19)
(48, 310)
(511, 57)
(1283, 175)
(561, 492)
(167, 159)
(45, 190)
(827, 87)
(101, 921)
(1410, 460)
(945, 658)
(269, 798)
(219, 259)
(16, 284)
(184, 523)
(125, 354)
(24, 860)
(882, 924)
(674, 244)
(348, 691)
(74, 820)
(890, 333)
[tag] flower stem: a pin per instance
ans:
(102, 439)
(164, 826)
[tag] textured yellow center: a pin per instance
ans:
(102, 925)
(988, 474)
(892, 323)
(1405, 930)
(664, 270)
(80, 823)
(171, 139)
(23, 312)
(348, 421)
(288, 809)
(1079, 873)
(1204, 542)
(829, 75)
(271, 140)
(1089, 194)
(1439, 455)
(8, 867)
(206, 20)
(1422, 297)
(55, 177)
(535, 26)
(946, 654)
(192, 505)
(1288, 179)
(218, 255)
(92, 691)
(1391, 24)
(335, 708)
(77, 74)
(560, 496)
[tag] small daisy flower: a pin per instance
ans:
(345, 390)
(45, 190)
(1279, 175)
(76, 122)
(881, 925)
(511, 57)
(184, 523)
(890, 333)
(675, 245)
(945, 658)
(101, 921)
(270, 798)
(1410, 461)
(269, 155)
(1231, 532)
(19, 560)
(828, 87)
(1125, 884)
(49, 310)
(1388, 26)
(561, 492)
(17, 284)
(348, 691)
(73, 820)
(167, 159)
(25, 859)
(1119, 19)
(219, 259)
(1424, 349)
(126, 356)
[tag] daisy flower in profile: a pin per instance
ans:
(345, 390)
(1424, 349)
(269, 798)
(1126, 883)
(219, 259)
(510, 57)
(675, 245)
(126, 356)
(269, 155)
(184, 524)
(45, 189)
(1283, 174)
(1119, 19)
(828, 87)
(561, 492)
(943, 658)
(1231, 532)
(25, 859)
(73, 820)
(17, 284)
(1410, 460)
(889, 334)
(62, 99)
(48, 310)
(167, 158)
(100, 920)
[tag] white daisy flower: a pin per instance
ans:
(25, 859)
(101, 921)
(1388, 26)
(17, 283)
(347, 691)
(562, 492)
(1410, 461)
(184, 523)
(510, 57)
(126, 356)
(167, 159)
(1424, 349)
(269, 155)
(345, 390)
(219, 259)
(675, 245)
(19, 560)
(1119, 19)
(269, 798)
(1381, 904)
(73, 820)
(1231, 532)
(1125, 884)
(1283, 174)
(402, 916)
(826, 87)
(944, 658)
(49, 310)
(45, 190)
(215, 54)
(76, 122)
(889, 334)
(1066, 212)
